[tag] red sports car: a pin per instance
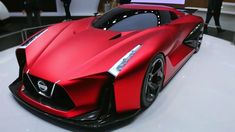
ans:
(101, 70)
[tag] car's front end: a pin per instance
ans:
(86, 101)
(66, 89)
(95, 113)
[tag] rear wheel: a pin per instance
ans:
(153, 81)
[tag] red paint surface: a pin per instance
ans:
(80, 56)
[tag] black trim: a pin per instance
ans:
(116, 36)
(21, 58)
(59, 100)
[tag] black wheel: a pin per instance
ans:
(199, 41)
(153, 81)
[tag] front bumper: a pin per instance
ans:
(105, 116)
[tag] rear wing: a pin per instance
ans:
(187, 11)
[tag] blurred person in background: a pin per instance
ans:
(66, 4)
(32, 9)
(213, 9)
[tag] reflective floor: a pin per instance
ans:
(200, 98)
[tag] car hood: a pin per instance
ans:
(74, 50)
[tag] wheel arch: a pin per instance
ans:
(127, 88)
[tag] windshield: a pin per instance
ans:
(120, 19)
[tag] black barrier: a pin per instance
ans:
(18, 37)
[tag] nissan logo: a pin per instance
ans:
(42, 86)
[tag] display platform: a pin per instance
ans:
(200, 98)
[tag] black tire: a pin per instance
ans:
(153, 81)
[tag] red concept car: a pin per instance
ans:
(101, 70)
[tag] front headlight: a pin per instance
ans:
(123, 61)
(32, 39)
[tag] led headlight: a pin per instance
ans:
(123, 61)
(29, 41)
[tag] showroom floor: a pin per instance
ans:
(200, 98)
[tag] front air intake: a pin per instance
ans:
(59, 99)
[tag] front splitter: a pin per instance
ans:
(77, 121)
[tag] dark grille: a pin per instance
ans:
(59, 100)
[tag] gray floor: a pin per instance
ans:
(227, 35)
(200, 98)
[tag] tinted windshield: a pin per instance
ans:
(120, 19)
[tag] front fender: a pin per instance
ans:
(128, 83)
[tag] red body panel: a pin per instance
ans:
(80, 56)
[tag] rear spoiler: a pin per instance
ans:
(187, 10)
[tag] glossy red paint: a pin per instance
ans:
(80, 56)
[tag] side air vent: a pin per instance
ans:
(116, 36)
(194, 36)
(21, 58)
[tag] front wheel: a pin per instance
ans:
(153, 81)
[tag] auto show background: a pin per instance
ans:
(55, 7)
(227, 12)
(80, 7)
(227, 17)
